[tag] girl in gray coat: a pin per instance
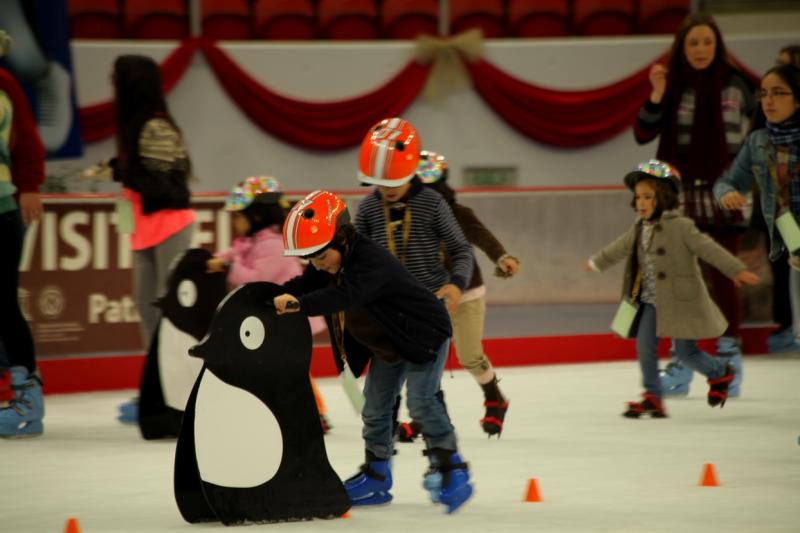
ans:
(663, 277)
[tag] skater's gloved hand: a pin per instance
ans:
(451, 295)
(286, 303)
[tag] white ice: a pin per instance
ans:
(596, 470)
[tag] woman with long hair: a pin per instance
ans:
(770, 159)
(153, 165)
(699, 107)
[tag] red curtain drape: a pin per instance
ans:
(556, 117)
(561, 118)
(317, 125)
(97, 121)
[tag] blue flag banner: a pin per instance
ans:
(39, 58)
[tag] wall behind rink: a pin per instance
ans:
(225, 146)
(76, 277)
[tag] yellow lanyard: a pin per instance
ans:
(338, 328)
(390, 232)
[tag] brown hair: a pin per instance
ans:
(793, 51)
(666, 197)
(676, 54)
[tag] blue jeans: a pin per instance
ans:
(423, 381)
(686, 352)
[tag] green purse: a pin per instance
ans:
(625, 318)
(790, 232)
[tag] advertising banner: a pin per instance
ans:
(76, 278)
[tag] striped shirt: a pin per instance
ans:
(432, 225)
(699, 203)
(738, 103)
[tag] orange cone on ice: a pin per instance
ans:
(72, 526)
(532, 494)
(709, 478)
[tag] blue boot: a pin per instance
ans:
(370, 486)
(783, 341)
(447, 479)
(675, 378)
(729, 352)
(129, 412)
(24, 414)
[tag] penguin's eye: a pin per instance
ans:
(187, 293)
(251, 333)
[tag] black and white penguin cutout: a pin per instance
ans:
(169, 374)
(251, 447)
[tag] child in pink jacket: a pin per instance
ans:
(258, 209)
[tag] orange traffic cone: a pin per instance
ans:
(709, 478)
(532, 494)
(72, 526)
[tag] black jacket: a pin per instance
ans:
(413, 319)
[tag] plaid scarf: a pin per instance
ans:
(786, 135)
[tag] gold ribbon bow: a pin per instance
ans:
(448, 73)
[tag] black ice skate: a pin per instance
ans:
(407, 431)
(492, 422)
(650, 405)
(718, 388)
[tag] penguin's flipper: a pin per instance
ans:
(156, 419)
(188, 486)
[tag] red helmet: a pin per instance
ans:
(389, 153)
(312, 223)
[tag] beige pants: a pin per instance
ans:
(467, 336)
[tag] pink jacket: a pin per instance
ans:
(260, 258)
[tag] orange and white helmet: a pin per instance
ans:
(312, 223)
(389, 153)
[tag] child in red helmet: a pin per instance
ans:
(663, 277)
(376, 310)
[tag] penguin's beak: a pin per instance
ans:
(199, 350)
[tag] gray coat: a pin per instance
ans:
(684, 308)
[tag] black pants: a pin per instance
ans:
(14, 330)
(781, 301)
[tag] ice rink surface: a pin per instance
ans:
(596, 470)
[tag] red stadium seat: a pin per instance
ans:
(603, 17)
(348, 19)
(538, 18)
(486, 15)
(95, 19)
(283, 20)
(225, 19)
(661, 16)
(156, 19)
(405, 19)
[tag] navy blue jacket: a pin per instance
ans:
(414, 320)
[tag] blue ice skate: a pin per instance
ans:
(729, 352)
(371, 485)
(129, 412)
(24, 414)
(675, 378)
(447, 479)
(783, 341)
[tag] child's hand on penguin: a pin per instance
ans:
(286, 303)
